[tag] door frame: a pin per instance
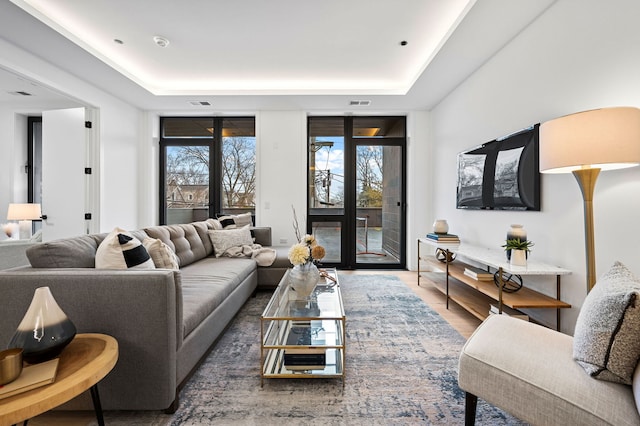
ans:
(348, 218)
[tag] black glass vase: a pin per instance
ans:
(45, 329)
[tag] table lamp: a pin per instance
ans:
(24, 213)
(585, 143)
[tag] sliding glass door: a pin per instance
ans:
(356, 190)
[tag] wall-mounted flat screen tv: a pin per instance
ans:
(502, 174)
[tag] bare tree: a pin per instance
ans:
(369, 173)
(238, 172)
(190, 166)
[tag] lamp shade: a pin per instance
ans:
(24, 212)
(607, 138)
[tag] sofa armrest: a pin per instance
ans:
(262, 235)
(141, 309)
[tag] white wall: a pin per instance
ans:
(119, 133)
(419, 182)
(579, 55)
(281, 139)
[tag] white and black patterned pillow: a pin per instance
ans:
(606, 341)
(235, 221)
(121, 250)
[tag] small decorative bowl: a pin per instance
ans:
(10, 365)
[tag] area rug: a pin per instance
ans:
(401, 369)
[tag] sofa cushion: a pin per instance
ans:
(607, 333)
(202, 228)
(162, 255)
(207, 283)
(77, 252)
(183, 239)
(121, 250)
(229, 238)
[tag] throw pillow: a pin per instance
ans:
(235, 221)
(121, 250)
(214, 224)
(606, 341)
(228, 238)
(162, 255)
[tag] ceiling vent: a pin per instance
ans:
(200, 103)
(20, 93)
(359, 103)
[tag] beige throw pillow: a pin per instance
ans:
(225, 239)
(162, 255)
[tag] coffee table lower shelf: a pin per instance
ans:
(274, 368)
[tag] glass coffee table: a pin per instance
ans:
(304, 338)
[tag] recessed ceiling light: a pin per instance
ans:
(161, 41)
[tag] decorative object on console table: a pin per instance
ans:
(510, 282)
(445, 256)
(518, 258)
(443, 238)
(585, 143)
(440, 226)
(515, 232)
(478, 274)
(519, 250)
(45, 329)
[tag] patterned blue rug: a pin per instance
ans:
(401, 365)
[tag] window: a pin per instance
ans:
(207, 167)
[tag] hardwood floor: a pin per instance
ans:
(461, 320)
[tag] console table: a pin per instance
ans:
(475, 296)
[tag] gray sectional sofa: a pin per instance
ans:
(165, 321)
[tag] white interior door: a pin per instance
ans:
(63, 173)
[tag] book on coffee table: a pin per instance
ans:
(304, 357)
(32, 376)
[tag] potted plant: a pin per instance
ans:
(519, 250)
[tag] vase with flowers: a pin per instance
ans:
(304, 276)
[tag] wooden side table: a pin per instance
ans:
(83, 363)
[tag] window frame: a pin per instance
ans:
(215, 144)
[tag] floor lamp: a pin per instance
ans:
(584, 144)
(24, 214)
